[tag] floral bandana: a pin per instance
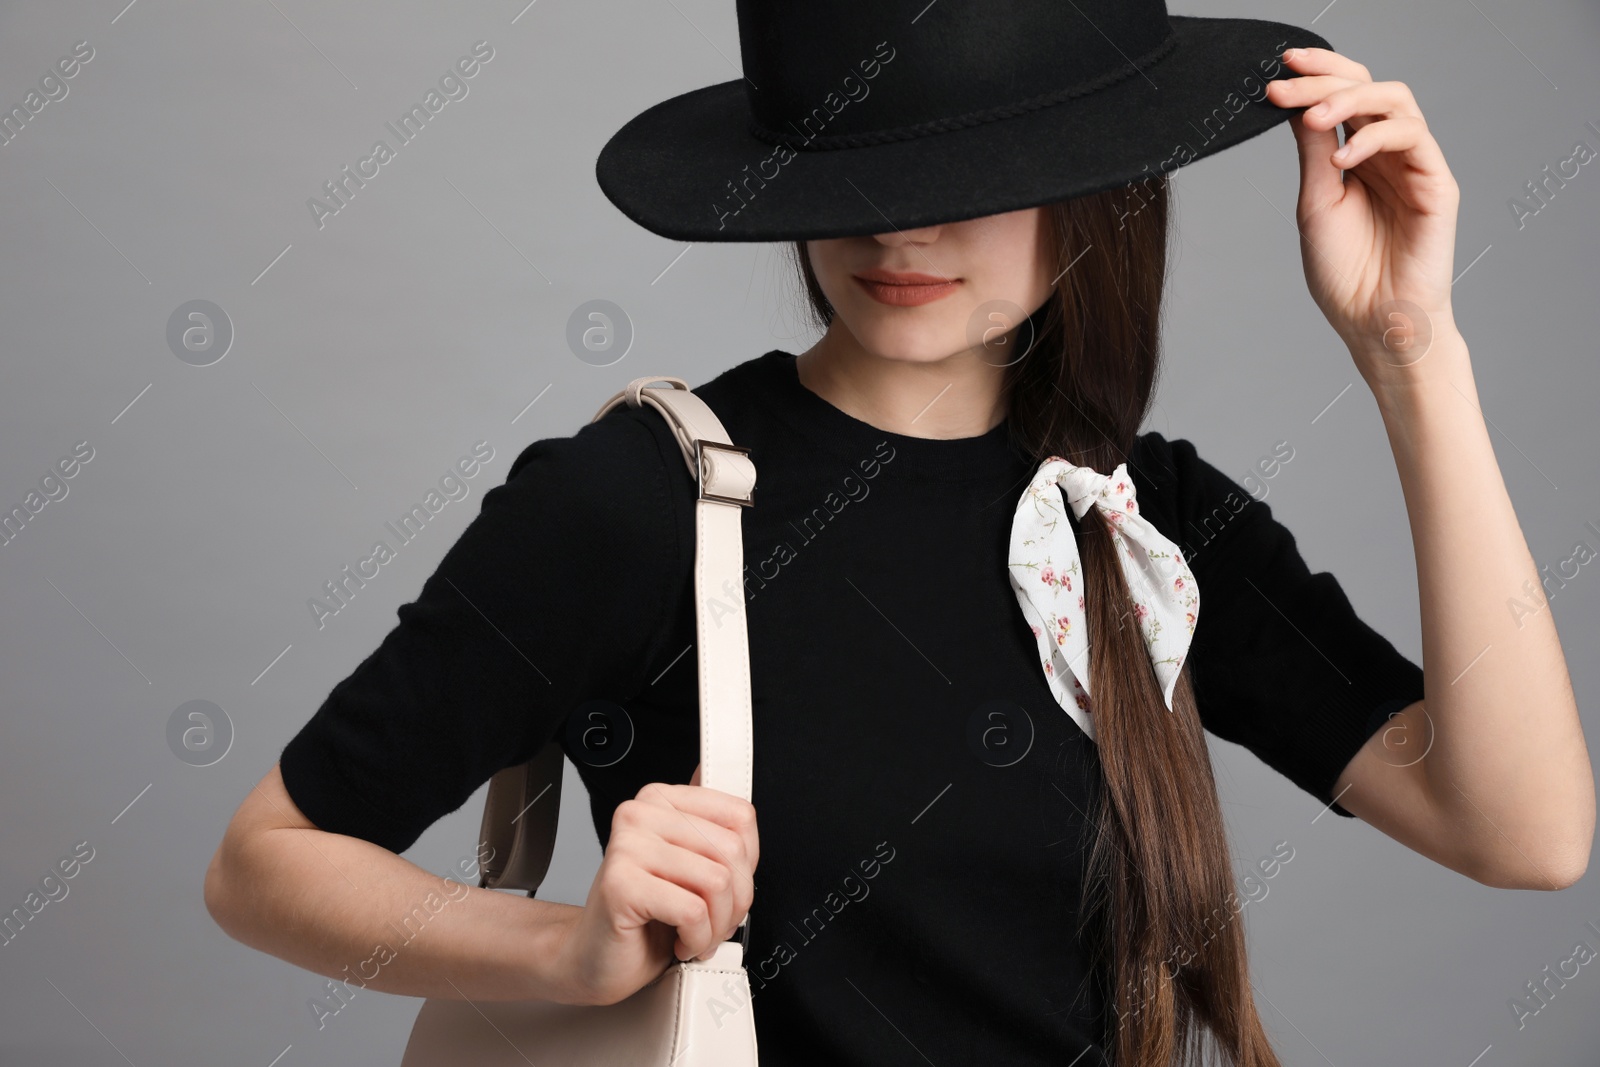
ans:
(1048, 580)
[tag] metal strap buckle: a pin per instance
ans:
(700, 446)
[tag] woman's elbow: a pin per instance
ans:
(1551, 868)
(1567, 865)
(218, 888)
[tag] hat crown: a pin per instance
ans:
(826, 73)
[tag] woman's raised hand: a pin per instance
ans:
(1377, 219)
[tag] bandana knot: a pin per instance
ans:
(1047, 577)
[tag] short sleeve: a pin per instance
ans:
(555, 593)
(1280, 661)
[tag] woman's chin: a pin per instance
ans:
(909, 338)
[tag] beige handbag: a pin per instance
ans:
(695, 1014)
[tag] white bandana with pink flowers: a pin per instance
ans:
(1048, 580)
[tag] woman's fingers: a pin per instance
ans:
(1377, 117)
(708, 803)
(685, 911)
(1331, 100)
(710, 881)
(630, 890)
(699, 839)
(1325, 61)
(1402, 134)
(1364, 100)
(692, 834)
(1306, 90)
(727, 814)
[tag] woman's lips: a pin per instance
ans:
(917, 289)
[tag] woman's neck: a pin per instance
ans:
(953, 396)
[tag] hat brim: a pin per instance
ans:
(670, 168)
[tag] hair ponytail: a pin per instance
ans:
(1157, 913)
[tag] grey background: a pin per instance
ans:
(431, 311)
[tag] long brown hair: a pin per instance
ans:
(1157, 896)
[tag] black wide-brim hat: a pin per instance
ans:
(866, 116)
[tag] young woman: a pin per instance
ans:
(975, 845)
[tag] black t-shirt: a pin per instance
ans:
(920, 866)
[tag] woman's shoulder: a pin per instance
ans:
(632, 447)
(618, 483)
(1173, 469)
(624, 476)
(620, 448)
(1187, 496)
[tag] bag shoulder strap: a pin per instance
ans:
(518, 831)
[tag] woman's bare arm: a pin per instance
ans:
(1490, 774)
(354, 911)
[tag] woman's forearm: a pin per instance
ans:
(1507, 765)
(367, 918)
